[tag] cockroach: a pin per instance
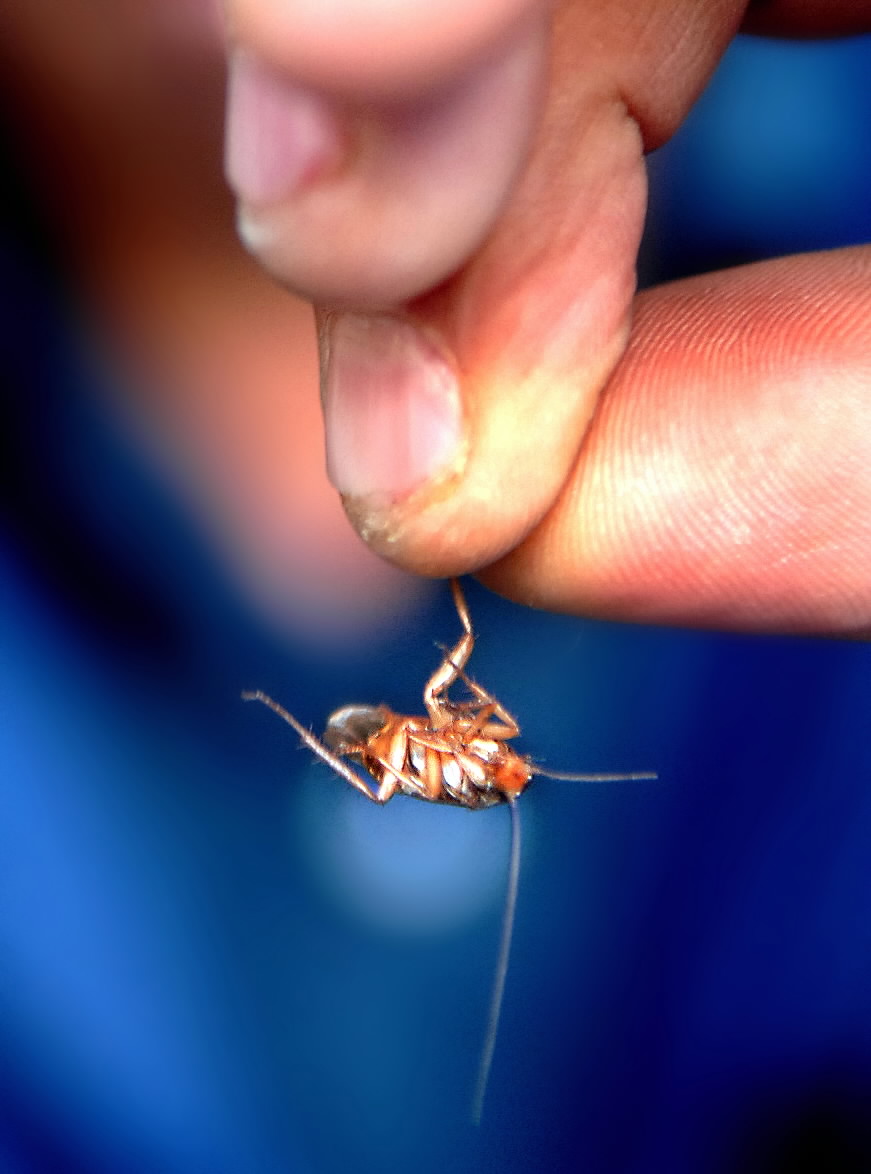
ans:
(456, 754)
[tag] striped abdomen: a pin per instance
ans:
(455, 763)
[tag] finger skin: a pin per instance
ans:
(415, 190)
(723, 478)
(373, 49)
(419, 171)
(726, 479)
(536, 320)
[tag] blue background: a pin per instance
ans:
(214, 957)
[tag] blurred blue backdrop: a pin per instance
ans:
(217, 958)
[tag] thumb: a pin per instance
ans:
(453, 425)
(370, 144)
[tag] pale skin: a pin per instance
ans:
(725, 478)
(118, 111)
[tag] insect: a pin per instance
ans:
(456, 753)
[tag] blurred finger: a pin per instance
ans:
(372, 49)
(370, 205)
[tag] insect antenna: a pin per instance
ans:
(314, 744)
(564, 776)
(508, 917)
(501, 972)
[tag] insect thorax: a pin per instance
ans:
(354, 725)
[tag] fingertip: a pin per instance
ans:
(374, 49)
(529, 349)
(279, 136)
(392, 409)
(518, 440)
(371, 205)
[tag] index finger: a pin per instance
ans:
(726, 479)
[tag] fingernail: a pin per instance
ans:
(278, 135)
(392, 408)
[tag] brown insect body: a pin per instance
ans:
(455, 754)
(462, 762)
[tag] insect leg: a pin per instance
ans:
(454, 661)
(392, 761)
(493, 708)
(415, 787)
(314, 744)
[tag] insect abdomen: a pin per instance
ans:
(409, 757)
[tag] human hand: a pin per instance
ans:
(466, 205)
